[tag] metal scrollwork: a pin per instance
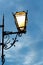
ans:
(8, 41)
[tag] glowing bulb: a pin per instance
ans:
(21, 20)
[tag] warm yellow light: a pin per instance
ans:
(20, 17)
(21, 21)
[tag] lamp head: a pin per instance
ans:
(21, 20)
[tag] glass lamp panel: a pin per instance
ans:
(20, 17)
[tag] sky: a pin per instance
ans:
(29, 49)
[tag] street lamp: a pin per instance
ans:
(20, 21)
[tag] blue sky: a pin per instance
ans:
(29, 49)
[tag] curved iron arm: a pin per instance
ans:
(7, 33)
(5, 45)
(15, 40)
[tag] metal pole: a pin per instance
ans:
(3, 42)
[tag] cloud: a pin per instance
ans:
(8, 55)
(17, 48)
(39, 63)
(29, 58)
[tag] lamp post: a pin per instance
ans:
(20, 21)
